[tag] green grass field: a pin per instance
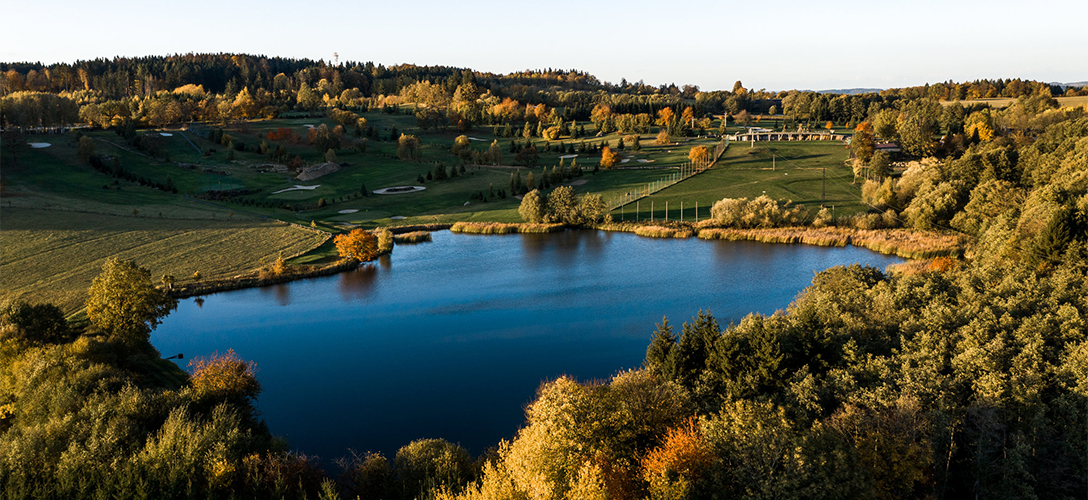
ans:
(52, 255)
(781, 170)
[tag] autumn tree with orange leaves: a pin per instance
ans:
(359, 245)
(608, 157)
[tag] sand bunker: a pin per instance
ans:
(39, 145)
(640, 160)
(578, 182)
(166, 134)
(399, 189)
(477, 139)
(348, 211)
(569, 156)
(298, 188)
(625, 160)
(397, 217)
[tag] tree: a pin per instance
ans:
(34, 323)
(427, 464)
(330, 156)
(385, 240)
(358, 245)
(14, 143)
(663, 138)
(562, 206)
(699, 155)
(608, 157)
(666, 119)
(880, 165)
(408, 148)
(85, 149)
(495, 153)
(532, 208)
(862, 142)
(124, 303)
(660, 355)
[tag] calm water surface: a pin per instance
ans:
(451, 338)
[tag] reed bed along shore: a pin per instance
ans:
(904, 243)
(505, 228)
(660, 229)
(412, 237)
(419, 227)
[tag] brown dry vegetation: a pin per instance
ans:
(907, 243)
(50, 256)
(412, 237)
(504, 228)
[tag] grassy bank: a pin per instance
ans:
(259, 278)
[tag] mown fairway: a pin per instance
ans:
(52, 256)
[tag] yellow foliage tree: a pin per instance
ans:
(665, 117)
(699, 155)
(608, 157)
(359, 245)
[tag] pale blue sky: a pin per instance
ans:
(775, 45)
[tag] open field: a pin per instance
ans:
(54, 255)
(1001, 102)
(781, 170)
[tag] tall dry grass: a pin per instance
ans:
(906, 243)
(505, 228)
(412, 237)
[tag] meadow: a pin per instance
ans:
(53, 255)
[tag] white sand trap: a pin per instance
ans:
(298, 188)
(569, 156)
(166, 134)
(578, 182)
(39, 145)
(399, 189)
(308, 125)
(397, 217)
(477, 139)
(641, 160)
(348, 211)
(625, 160)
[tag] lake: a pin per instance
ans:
(452, 338)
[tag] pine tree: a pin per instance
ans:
(661, 353)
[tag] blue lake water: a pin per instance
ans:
(452, 338)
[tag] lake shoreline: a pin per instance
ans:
(905, 243)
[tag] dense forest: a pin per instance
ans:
(939, 379)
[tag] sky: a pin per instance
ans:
(788, 44)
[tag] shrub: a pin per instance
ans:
(359, 245)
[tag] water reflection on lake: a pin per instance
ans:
(451, 338)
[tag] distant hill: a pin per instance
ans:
(848, 91)
(1067, 85)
